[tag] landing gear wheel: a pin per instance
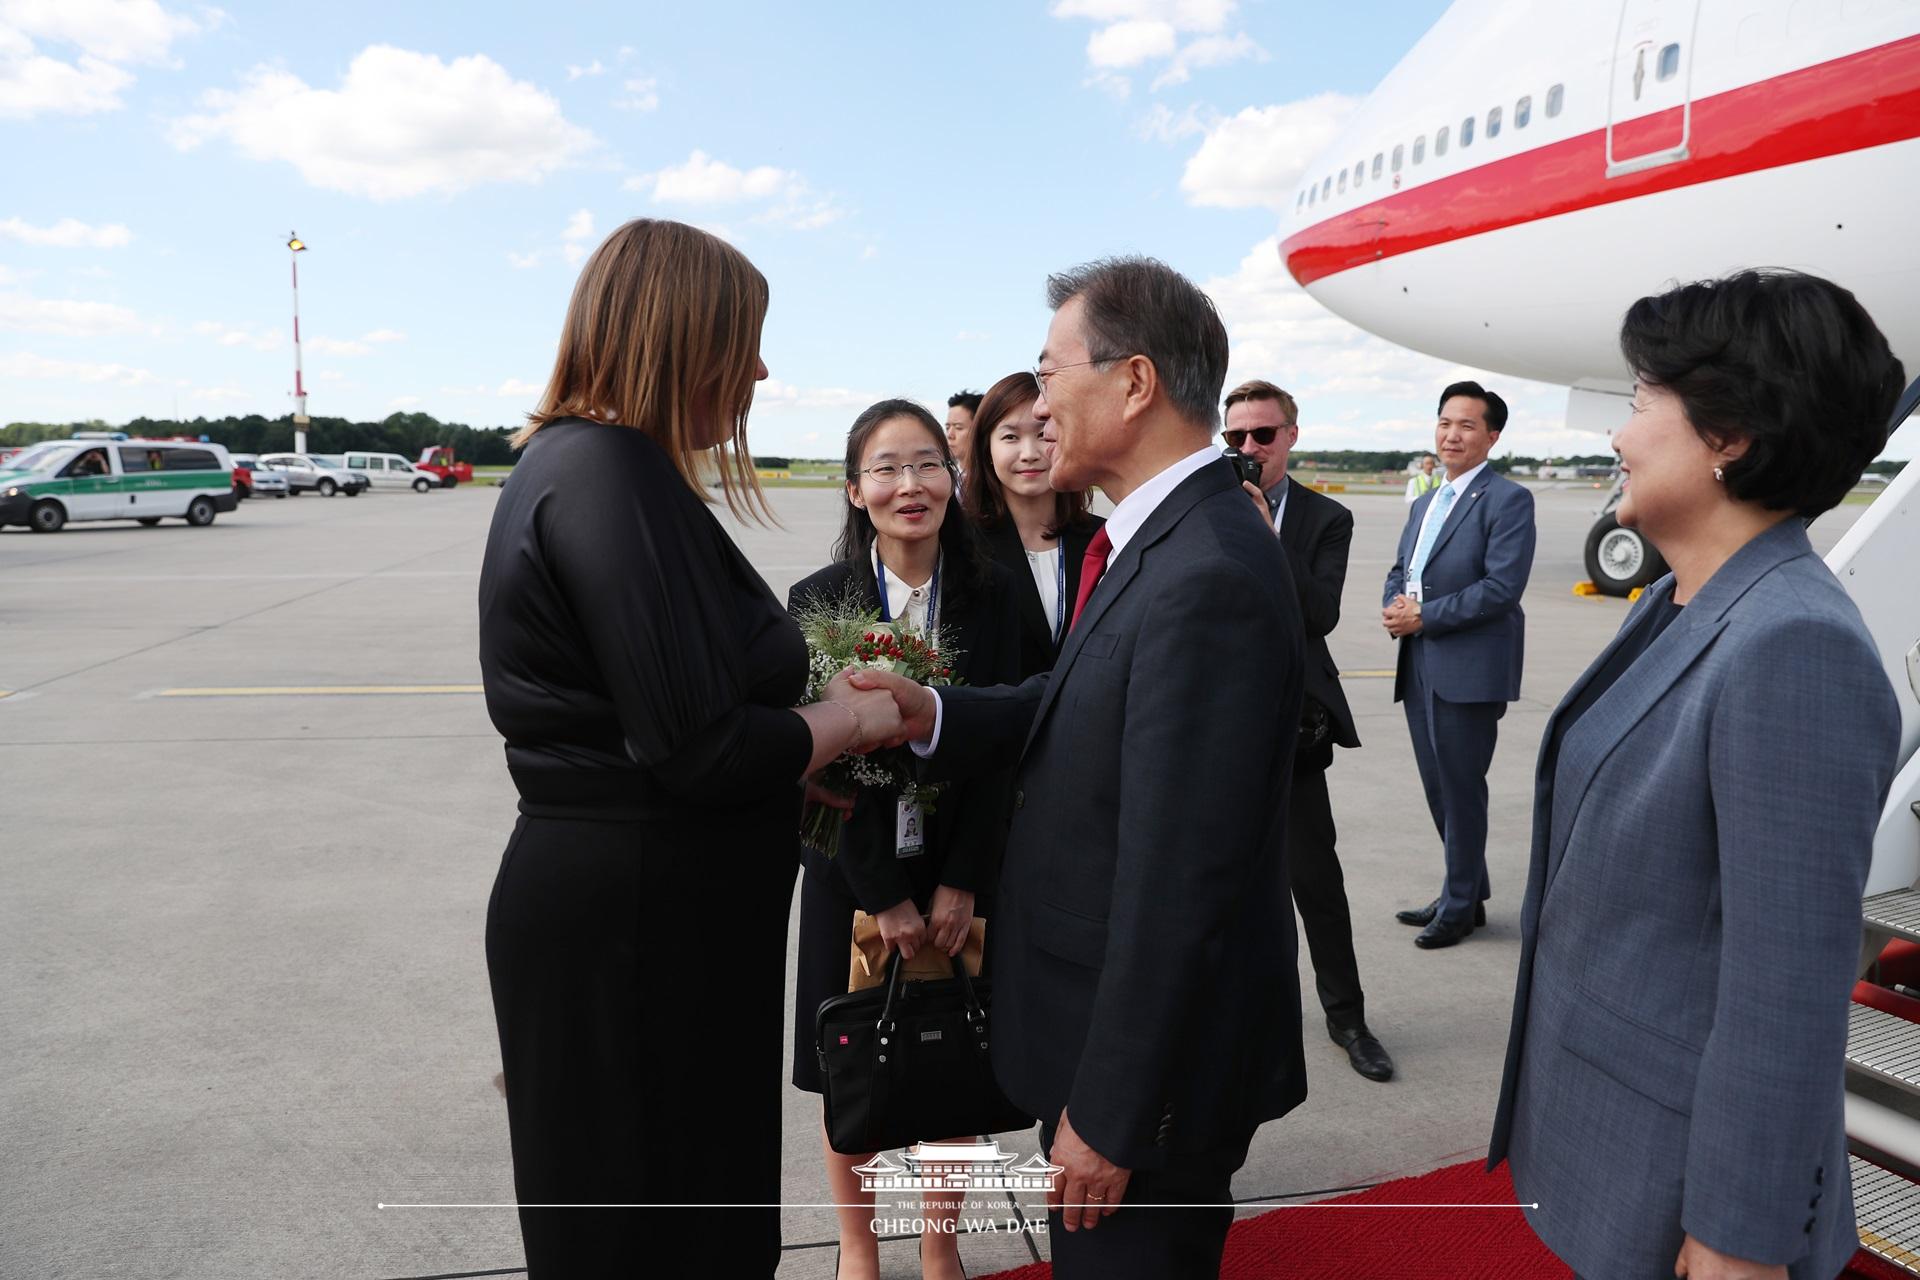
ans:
(1620, 559)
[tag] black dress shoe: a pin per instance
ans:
(1366, 1054)
(1442, 933)
(1422, 916)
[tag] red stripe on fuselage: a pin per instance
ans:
(1863, 100)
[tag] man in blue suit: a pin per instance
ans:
(1452, 599)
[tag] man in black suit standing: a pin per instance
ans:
(1263, 422)
(1145, 965)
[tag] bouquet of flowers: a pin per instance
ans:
(842, 635)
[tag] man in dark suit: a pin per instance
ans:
(1452, 599)
(1145, 965)
(1263, 422)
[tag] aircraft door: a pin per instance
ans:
(1649, 100)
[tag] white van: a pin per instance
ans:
(391, 471)
(108, 478)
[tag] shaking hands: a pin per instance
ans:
(914, 704)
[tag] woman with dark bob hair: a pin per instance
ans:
(1037, 534)
(1705, 804)
(644, 679)
(907, 552)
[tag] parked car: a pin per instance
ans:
(439, 459)
(310, 472)
(250, 477)
(391, 471)
(95, 479)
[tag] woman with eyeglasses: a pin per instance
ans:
(1039, 536)
(909, 553)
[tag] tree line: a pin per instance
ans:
(402, 433)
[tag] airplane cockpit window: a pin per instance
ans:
(1399, 153)
(1523, 112)
(1556, 98)
(1669, 62)
(1466, 132)
(1493, 123)
(1378, 157)
(1420, 148)
(1440, 142)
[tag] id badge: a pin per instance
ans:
(910, 830)
(1412, 592)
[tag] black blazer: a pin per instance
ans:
(1037, 647)
(1317, 533)
(1144, 956)
(967, 830)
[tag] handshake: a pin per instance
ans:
(890, 710)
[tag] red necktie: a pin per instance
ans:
(1091, 569)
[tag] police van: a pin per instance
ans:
(109, 477)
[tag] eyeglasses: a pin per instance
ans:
(1040, 375)
(928, 470)
(1262, 436)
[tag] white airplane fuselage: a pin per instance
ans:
(1638, 143)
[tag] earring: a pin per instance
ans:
(1719, 475)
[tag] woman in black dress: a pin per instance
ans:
(643, 676)
(904, 530)
(1038, 535)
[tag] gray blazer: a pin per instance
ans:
(1691, 931)
(1472, 639)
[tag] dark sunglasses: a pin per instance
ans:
(1262, 436)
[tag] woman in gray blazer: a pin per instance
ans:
(1704, 810)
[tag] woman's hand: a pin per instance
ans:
(876, 711)
(817, 794)
(902, 929)
(1698, 1262)
(950, 917)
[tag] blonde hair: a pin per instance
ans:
(1261, 389)
(663, 335)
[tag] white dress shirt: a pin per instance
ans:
(1280, 508)
(1459, 487)
(905, 605)
(1128, 518)
(1047, 573)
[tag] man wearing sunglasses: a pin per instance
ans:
(1263, 422)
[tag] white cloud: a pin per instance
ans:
(775, 394)
(705, 180)
(1128, 44)
(384, 335)
(239, 335)
(66, 317)
(22, 364)
(1255, 158)
(106, 34)
(591, 69)
(401, 124)
(1187, 15)
(219, 394)
(1209, 51)
(403, 402)
(336, 346)
(525, 260)
(1162, 124)
(516, 387)
(642, 94)
(330, 375)
(577, 236)
(68, 233)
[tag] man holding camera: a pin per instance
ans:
(1263, 424)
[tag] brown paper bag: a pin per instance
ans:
(869, 959)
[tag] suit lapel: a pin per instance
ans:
(1463, 507)
(1011, 552)
(1121, 570)
(1294, 519)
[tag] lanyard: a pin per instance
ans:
(933, 592)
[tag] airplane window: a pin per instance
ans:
(1523, 112)
(1440, 142)
(1377, 158)
(1420, 148)
(1301, 202)
(1313, 193)
(1556, 98)
(1342, 188)
(1359, 172)
(1466, 132)
(1326, 188)
(1398, 154)
(1669, 62)
(1493, 123)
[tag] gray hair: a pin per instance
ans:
(1141, 306)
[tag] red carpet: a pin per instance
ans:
(1318, 1243)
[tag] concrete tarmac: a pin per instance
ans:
(243, 999)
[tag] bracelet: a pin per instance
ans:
(859, 730)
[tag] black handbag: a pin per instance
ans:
(907, 1062)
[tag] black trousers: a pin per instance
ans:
(1320, 892)
(628, 1082)
(1152, 1243)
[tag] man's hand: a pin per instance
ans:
(950, 915)
(1699, 1262)
(915, 702)
(878, 716)
(817, 794)
(1402, 617)
(1090, 1180)
(1259, 502)
(901, 928)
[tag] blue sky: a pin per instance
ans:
(905, 175)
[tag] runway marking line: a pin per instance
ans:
(317, 691)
